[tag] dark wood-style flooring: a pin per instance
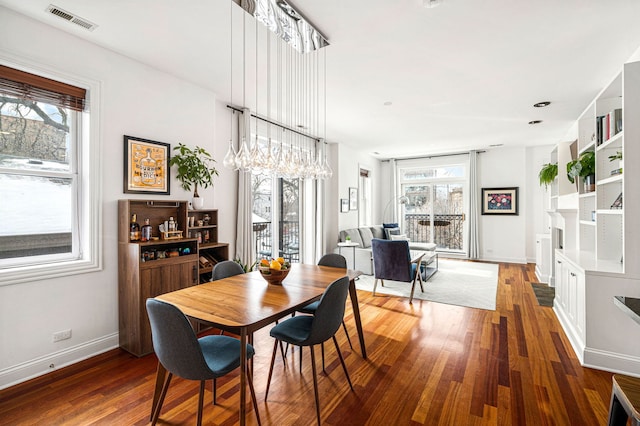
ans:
(428, 363)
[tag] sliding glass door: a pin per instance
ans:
(436, 210)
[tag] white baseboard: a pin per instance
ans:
(612, 361)
(54, 361)
(520, 260)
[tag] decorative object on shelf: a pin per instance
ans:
(617, 156)
(584, 167)
(353, 198)
(344, 205)
(195, 167)
(617, 204)
(146, 168)
(500, 201)
(548, 174)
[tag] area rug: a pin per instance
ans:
(470, 284)
(544, 293)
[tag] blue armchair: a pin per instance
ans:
(392, 261)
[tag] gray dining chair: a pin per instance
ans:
(337, 261)
(182, 353)
(308, 330)
(225, 269)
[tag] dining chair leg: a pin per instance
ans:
(344, 366)
(315, 383)
(322, 351)
(300, 358)
(163, 393)
(253, 396)
(200, 402)
(215, 391)
(273, 358)
(347, 333)
(413, 287)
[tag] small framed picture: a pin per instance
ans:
(617, 204)
(146, 166)
(344, 205)
(500, 201)
(353, 198)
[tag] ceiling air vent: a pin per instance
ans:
(68, 16)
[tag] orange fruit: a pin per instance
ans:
(264, 262)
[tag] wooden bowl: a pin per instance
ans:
(273, 276)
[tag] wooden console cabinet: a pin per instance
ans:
(168, 265)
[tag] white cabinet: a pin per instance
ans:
(569, 303)
(543, 258)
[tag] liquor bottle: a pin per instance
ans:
(146, 231)
(134, 229)
(148, 169)
(172, 224)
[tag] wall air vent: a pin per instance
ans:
(68, 16)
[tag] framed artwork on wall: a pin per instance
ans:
(344, 205)
(353, 198)
(146, 166)
(500, 201)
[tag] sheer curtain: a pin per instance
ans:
(244, 224)
(474, 206)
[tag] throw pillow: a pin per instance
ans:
(401, 237)
(390, 225)
(391, 231)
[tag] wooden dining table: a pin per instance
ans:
(245, 303)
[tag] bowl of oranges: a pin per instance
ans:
(274, 270)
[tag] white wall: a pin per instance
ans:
(503, 238)
(137, 101)
(349, 163)
(538, 221)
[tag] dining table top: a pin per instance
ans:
(248, 301)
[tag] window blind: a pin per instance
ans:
(25, 85)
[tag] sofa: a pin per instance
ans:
(362, 254)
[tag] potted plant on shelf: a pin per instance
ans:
(548, 174)
(195, 167)
(585, 167)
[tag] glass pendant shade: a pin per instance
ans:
(229, 160)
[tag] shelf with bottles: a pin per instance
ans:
(165, 251)
(156, 211)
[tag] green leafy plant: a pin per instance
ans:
(548, 174)
(195, 167)
(616, 156)
(245, 266)
(583, 166)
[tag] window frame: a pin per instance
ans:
(88, 195)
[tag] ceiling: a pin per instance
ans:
(459, 76)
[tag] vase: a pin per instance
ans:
(198, 203)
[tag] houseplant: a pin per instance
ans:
(585, 167)
(548, 174)
(195, 167)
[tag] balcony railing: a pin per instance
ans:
(289, 240)
(447, 229)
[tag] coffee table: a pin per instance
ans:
(429, 262)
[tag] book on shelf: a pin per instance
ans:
(608, 125)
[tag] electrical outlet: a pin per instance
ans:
(62, 335)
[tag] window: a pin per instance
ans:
(45, 158)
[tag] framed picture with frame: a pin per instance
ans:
(344, 205)
(500, 201)
(146, 166)
(353, 198)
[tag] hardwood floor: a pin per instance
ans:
(429, 363)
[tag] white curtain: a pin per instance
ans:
(474, 206)
(244, 225)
